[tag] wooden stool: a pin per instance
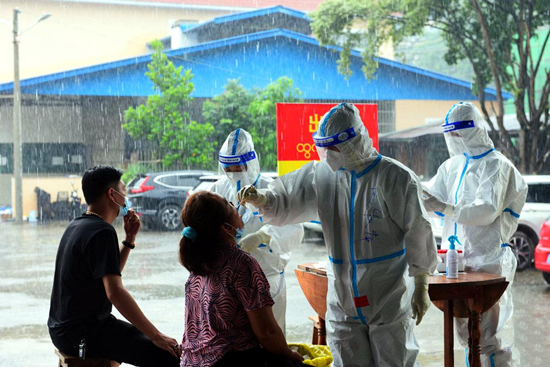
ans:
(319, 331)
(69, 361)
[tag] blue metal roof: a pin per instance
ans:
(258, 59)
(248, 15)
(259, 13)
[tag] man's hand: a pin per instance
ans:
(169, 344)
(249, 194)
(421, 299)
(433, 204)
(132, 224)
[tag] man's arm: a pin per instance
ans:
(132, 224)
(124, 253)
(127, 306)
(291, 199)
(499, 185)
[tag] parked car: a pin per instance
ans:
(205, 183)
(158, 197)
(542, 251)
(535, 211)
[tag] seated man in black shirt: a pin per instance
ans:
(88, 283)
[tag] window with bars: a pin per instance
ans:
(54, 158)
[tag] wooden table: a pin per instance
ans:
(468, 297)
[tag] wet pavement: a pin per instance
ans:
(155, 278)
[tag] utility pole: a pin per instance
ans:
(17, 145)
(17, 125)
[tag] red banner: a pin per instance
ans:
(296, 123)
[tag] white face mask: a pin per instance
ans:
(335, 160)
(456, 144)
(236, 176)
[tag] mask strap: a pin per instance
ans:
(236, 230)
(124, 197)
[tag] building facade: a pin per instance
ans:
(72, 119)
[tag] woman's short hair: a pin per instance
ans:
(205, 212)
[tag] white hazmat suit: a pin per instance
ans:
(377, 235)
(238, 149)
(480, 193)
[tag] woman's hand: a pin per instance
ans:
(296, 357)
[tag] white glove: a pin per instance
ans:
(421, 300)
(251, 241)
(249, 194)
(433, 204)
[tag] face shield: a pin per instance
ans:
(335, 158)
(454, 138)
(236, 169)
(235, 166)
(463, 131)
(343, 140)
(238, 160)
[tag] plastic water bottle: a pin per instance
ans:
(82, 349)
(451, 259)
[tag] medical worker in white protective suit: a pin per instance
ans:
(480, 193)
(378, 237)
(270, 246)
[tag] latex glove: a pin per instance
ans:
(251, 241)
(421, 300)
(433, 204)
(249, 194)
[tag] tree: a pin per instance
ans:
(494, 36)
(255, 111)
(228, 111)
(264, 115)
(164, 119)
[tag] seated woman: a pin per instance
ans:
(229, 321)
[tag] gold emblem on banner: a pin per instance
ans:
(305, 148)
(313, 123)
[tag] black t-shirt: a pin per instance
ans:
(88, 251)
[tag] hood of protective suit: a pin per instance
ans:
(238, 150)
(357, 150)
(465, 120)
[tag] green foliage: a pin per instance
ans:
(164, 119)
(254, 111)
(228, 111)
(264, 115)
(495, 37)
(363, 25)
(424, 51)
(133, 170)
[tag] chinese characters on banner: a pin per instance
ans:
(296, 123)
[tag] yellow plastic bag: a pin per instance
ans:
(320, 354)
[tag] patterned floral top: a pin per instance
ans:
(216, 305)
